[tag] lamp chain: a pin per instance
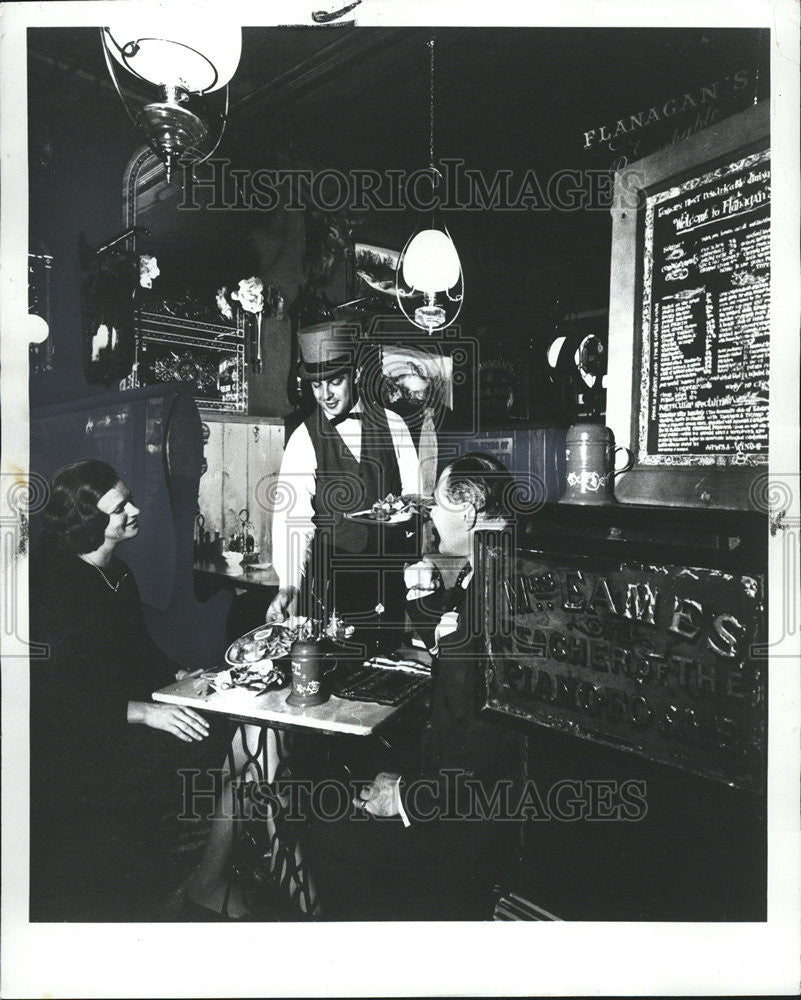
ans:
(431, 110)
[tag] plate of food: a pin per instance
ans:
(267, 642)
(254, 677)
(394, 509)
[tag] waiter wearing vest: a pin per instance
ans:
(347, 454)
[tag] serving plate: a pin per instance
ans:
(266, 642)
(254, 678)
(369, 517)
(413, 505)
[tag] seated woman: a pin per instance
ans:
(105, 758)
(415, 846)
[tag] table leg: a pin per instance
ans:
(263, 757)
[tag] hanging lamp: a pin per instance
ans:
(429, 264)
(181, 57)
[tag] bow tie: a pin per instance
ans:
(345, 416)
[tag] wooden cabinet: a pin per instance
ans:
(242, 460)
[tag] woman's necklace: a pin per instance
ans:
(111, 586)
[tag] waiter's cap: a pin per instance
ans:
(326, 350)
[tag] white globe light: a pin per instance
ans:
(554, 349)
(431, 263)
(36, 329)
(192, 53)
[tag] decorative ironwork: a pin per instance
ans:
(211, 357)
(281, 863)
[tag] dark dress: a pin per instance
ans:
(104, 792)
(440, 868)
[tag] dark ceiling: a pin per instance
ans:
(506, 98)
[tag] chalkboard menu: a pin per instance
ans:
(705, 318)
(689, 317)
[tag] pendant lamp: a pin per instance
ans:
(429, 264)
(181, 57)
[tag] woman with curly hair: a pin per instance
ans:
(105, 758)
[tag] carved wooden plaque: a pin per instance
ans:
(656, 660)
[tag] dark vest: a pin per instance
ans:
(343, 485)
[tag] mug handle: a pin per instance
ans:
(629, 461)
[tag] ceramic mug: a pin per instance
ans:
(590, 454)
(308, 674)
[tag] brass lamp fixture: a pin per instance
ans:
(181, 57)
(429, 264)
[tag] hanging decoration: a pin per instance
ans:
(429, 264)
(250, 296)
(181, 56)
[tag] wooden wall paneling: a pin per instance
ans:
(244, 458)
(210, 490)
(235, 484)
(267, 452)
(277, 444)
(259, 447)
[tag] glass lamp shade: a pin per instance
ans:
(429, 284)
(555, 350)
(36, 329)
(196, 55)
(431, 263)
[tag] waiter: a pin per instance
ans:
(347, 454)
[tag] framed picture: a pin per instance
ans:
(689, 317)
(415, 378)
(373, 287)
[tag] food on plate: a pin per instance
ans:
(418, 503)
(267, 642)
(250, 652)
(382, 510)
(401, 506)
(255, 677)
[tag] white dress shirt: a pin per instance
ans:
(293, 527)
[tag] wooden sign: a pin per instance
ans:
(654, 660)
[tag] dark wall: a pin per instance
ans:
(697, 850)
(80, 140)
